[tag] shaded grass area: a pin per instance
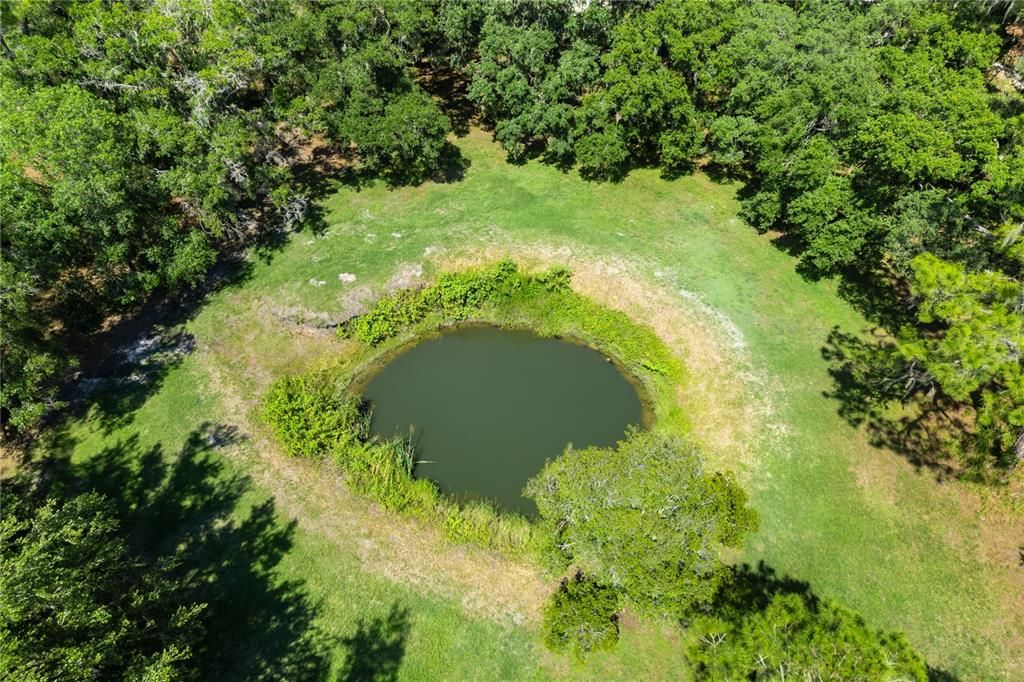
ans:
(285, 604)
(858, 523)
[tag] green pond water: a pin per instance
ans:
(487, 407)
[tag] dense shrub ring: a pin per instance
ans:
(319, 414)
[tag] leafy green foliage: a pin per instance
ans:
(75, 605)
(144, 140)
(30, 362)
(388, 317)
(535, 61)
(642, 105)
(455, 296)
(974, 354)
(404, 139)
(602, 155)
(346, 76)
(581, 617)
(644, 518)
(311, 417)
(800, 638)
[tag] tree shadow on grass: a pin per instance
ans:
(752, 589)
(376, 649)
(870, 378)
(187, 510)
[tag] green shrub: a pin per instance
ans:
(459, 294)
(455, 296)
(310, 418)
(555, 280)
(389, 316)
(581, 617)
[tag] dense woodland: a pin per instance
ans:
(143, 143)
(882, 141)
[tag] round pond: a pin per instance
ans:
(486, 407)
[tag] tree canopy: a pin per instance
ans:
(141, 141)
(646, 518)
(74, 604)
(796, 637)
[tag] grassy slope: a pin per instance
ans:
(859, 524)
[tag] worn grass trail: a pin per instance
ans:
(860, 524)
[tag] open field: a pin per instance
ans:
(938, 560)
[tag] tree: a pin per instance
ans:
(80, 234)
(644, 518)
(581, 617)
(347, 77)
(796, 637)
(29, 360)
(973, 350)
(74, 605)
(142, 140)
(840, 115)
(122, 172)
(405, 140)
(647, 104)
(535, 62)
(77, 198)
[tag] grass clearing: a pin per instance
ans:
(861, 524)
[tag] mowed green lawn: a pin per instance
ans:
(861, 525)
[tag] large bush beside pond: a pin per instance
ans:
(645, 517)
(309, 416)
